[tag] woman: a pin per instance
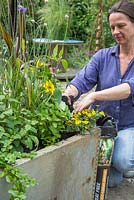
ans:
(111, 70)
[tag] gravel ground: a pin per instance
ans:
(123, 192)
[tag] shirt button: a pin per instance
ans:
(117, 108)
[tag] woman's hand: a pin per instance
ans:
(70, 91)
(85, 102)
(118, 92)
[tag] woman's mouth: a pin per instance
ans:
(118, 39)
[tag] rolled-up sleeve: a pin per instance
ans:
(131, 84)
(87, 78)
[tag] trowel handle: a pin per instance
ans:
(65, 99)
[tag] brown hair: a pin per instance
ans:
(124, 7)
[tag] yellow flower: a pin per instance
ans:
(79, 113)
(84, 111)
(85, 122)
(75, 115)
(40, 64)
(89, 115)
(102, 113)
(93, 112)
(49, 86)
(77, 121)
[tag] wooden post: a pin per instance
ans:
(99, 30)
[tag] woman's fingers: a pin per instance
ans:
(85, 102)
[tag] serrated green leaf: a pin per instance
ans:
(34, 139)
(29, 143)
(28, 127)
(9, 179)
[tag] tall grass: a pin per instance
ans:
(55, 16)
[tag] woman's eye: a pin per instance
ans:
(112, 28)
(118, 26)
(121, 25)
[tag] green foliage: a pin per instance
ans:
(80, 56)
(82, 19)
(79, 25)
(55, 16)
(20, 181)
(31, 114)
(26, 92)
(56, 59)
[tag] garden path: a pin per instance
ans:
(123, 192)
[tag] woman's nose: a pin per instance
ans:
(116, 31)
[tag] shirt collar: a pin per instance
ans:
(115, 50)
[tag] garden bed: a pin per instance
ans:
(66, 170)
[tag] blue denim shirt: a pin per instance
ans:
(103, 71)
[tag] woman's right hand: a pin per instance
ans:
(70, 91)
(85, 102)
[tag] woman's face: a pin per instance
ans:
(122, 28)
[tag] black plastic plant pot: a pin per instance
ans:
(108, 132)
